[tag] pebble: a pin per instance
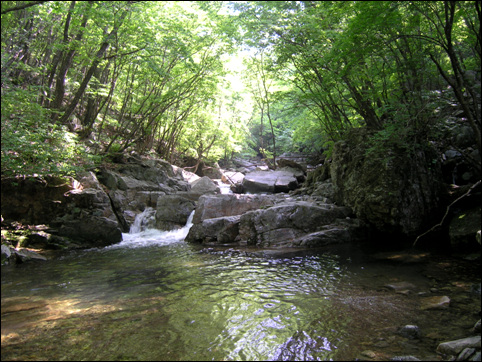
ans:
(369, 354)
(400, 286)
(439, 302)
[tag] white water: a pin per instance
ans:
(138, 238)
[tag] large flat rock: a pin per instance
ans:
(213, 206)
(283, 180)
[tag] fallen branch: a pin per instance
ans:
(446, 213)
(229, 179)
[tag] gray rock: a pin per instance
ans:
(288, 224)
(26, 255)
(455, 347)
(91, 230)
(213, 206)
(477, 327)
(400, 286)
(404, 358)
(283, 180)
(410, 332)
(437, 302)
(204, 186)
(6, 252)
(466, 354)
(221, 230)
(172, 211)
(476, 356)
(232, 177)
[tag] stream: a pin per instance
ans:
(155, 297)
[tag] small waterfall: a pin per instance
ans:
(189, 220)
(143, 221)
(142, 233)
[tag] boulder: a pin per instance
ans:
(172, 211)
(290, 223)
(82, 214)
(214, 172)
(221, 230)
(203, 186)
(457, 346)
(283, 180)
(283, 162)
(232, 177)
(393, 191)
(90, 230)
(213, 206)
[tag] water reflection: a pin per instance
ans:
(212, 304)
(157, 298)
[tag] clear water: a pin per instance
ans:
(155, 297)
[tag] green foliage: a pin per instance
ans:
(164, 77)
(30, 145)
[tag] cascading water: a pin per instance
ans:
(143, 220)
(141, 234)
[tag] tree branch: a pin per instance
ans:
(446, 213)
(21, 7)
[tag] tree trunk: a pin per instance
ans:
(98, 57)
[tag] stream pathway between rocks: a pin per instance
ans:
(156, 297)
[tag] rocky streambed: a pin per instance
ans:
(268, 211)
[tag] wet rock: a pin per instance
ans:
(221, 230)
(369, 354)
(466, 354)
(476, 356)
(404, 358)
(26, 255)
(138, 183)
(271, 221)
(400, 286)
(7, 255)
(91, 230)
(455, 347)
(172, 211)
(437, 302)
(410, 332)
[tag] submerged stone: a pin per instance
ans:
(457, 346)
(438, 302)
